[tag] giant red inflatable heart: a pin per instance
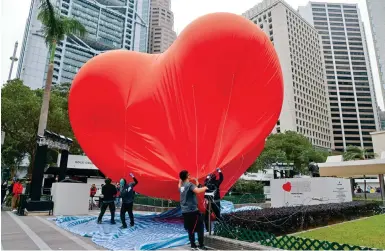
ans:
(209, 101)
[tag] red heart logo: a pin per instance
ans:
(287, 187)
(209, 101)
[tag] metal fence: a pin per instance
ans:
(247, 198)
(149, 201)
(283, 242)
(234, 198)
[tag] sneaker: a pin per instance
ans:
(123, 227)
(99, 222)
(132, 224)
(113, 222)
(194, 247)
(202, 248)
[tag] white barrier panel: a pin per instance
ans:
(309, 191)
(70, 198)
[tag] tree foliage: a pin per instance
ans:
(248, 186)
(56, 26)
(289, 147)
(356, 153)
(20, 109)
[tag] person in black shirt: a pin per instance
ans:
(108, 193)
(127, 194)
(10, 188)
(213, 195)
(28, 188)
(101, 196)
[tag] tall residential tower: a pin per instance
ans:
(110, 24)
(352, 96)
(161, 34)
(376, 10)
(305, 108)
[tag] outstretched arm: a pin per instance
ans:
(199, 190)
(220, 176)
(135, 180)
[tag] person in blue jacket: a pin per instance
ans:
(127, 194)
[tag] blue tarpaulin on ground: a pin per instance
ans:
(153, 231)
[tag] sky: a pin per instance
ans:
(14, 14)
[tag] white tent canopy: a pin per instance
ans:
(353, 168)
(357, 168)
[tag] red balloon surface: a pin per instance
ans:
(209, 101)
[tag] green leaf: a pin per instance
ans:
(290, 147)
(56, 26)
(20, 110)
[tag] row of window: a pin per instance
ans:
(334, 109)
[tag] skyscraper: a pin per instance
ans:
(110, 24)
(352, 96)
(376, 10)
(162, 34)
(382, 120)
(305, 108)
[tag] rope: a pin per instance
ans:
(196, 133)
(224, 122)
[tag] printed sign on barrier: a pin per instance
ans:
(309, 191)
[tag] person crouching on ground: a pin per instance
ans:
(127, 194)
(193, 221)
(108, 194)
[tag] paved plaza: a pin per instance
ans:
(35, 232)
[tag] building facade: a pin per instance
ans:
(352, 96)
(376, 10)
(305, 108)
(161, 34)
(110, 24)
(382, 120)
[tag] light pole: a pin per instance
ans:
(13, 59)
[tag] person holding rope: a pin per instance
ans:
(213, 196)
(193, 222)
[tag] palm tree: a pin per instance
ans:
(356, 153)
(55, 28)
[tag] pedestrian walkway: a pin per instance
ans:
(37, 233)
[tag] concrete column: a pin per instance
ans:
(382, 187)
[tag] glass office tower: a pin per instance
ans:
(110, 24)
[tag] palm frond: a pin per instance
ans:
(50, 18)
(73, 26)
(55, 26)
